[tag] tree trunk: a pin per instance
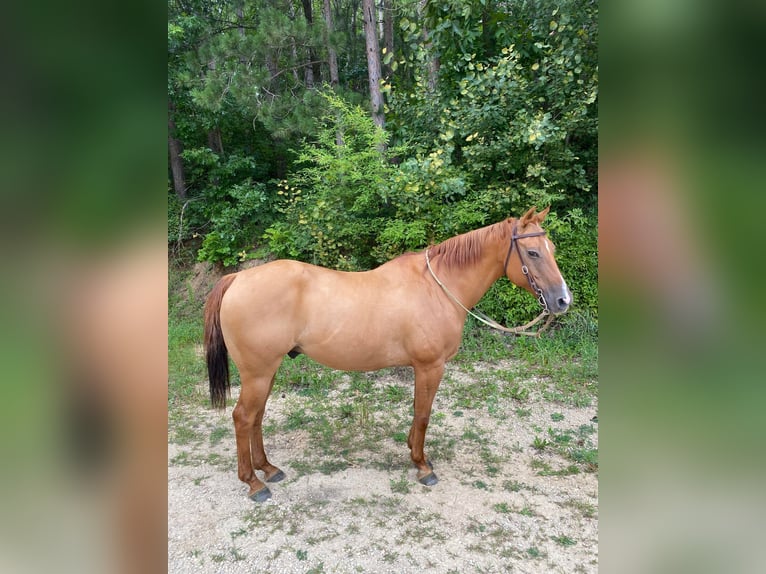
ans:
(313, 71)
(176, 163)
(388, 31)
(215, 141)
(293, 47)
(373, 61)
(331, 53)
(433, 62)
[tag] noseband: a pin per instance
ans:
(524, 268)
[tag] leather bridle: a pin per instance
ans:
(524, 268)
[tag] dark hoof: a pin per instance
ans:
(262, 495)
(429, 480)
(279, 475)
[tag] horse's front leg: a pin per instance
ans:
(427, 379)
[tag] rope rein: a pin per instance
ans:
(481, 317)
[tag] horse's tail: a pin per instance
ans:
(216, 355)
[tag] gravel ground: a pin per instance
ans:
(492, 510)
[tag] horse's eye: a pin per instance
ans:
(534, 254)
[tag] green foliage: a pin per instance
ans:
(333, 206)
(236, 220)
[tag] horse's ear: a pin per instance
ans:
(528, 217)
(541, 216)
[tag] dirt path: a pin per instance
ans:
(350, 502)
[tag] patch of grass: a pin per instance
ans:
(502, 508)
(585, 456)
(545, 469)
(563, 540)
(512, 485)
(218, 434)
(400, 486)
(523, 413)
(526, 511)
(557, 417)
(297, 419)
(302, 554)
(181, 459)
(332, 466)
(396, 394)
(400, 437)
(534, 552)
(184, 434)
(586, 509)
(540, 444)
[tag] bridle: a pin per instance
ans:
(521, 330)
(524, 268)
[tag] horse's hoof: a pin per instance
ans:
(262, 495)
(429, 480)
(279, 475)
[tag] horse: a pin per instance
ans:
(409, 311)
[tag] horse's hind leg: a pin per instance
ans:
(427, 379)
(260, 462)
(248, 417)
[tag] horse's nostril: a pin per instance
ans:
(563, 302)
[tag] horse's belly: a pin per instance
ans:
(357, 355)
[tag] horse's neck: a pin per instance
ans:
(471, 282)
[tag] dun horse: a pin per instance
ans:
(407, 312)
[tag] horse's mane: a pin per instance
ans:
(466, 249)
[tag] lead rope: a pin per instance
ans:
(479, 316)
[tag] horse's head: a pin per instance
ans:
(530, 263)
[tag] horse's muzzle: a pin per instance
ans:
(559, 302)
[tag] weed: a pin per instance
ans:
(585, 508)
(218, 557)
(585, 456)
(395, 394)
(545, 469)
(540, 444)
(526, 511)
(297, 419)
(302, 554)
(400, 437)
(557, 417)
(218, 434)
(236, 554)
(401, 486)
(502, 507)
(512, 485)
(563, 540)
(534, 552)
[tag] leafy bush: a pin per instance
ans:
(237, 218)
(333, 207)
